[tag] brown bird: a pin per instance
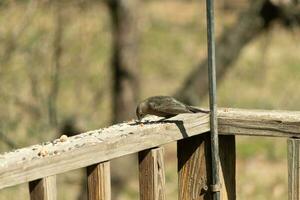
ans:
(164, 106)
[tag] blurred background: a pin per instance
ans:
(71, 66)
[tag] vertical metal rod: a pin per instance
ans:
(215, 188)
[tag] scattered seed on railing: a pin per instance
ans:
(43, 153)
(46, 143)
(56, 141)
(63, 138)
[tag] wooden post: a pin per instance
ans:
(99, 186)
(228, 166)
(43, 189)
(293, 169)
(152, 174)
(194, 167)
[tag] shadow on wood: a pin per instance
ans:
(194, 167)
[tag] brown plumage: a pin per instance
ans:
(163, 106)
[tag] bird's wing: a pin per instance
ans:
(196, 110)
(169, 106)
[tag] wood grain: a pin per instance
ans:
(50, 158)
(99, 186)
(259, 122)
(293, 169)
(228, 166)
(24, 165)
(152, 174)
(194, 167)
(43, 189)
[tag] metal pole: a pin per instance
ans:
(215, 187)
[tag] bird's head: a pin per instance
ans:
(141, 111)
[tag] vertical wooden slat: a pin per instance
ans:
(152, 174)
(293, 169)
(194, 167)
(43, 189)
(194, 172)
(228, 166)
(99, 186)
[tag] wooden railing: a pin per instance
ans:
(39, 164)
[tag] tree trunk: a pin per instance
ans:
(249, 25)
(125, 80)
(125, 90)
(56, 65)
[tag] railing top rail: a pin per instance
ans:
(92, 147)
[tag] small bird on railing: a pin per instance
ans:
(164, 106)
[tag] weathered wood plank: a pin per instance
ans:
(34, 162)
(293, 169)
(43, 189)
(24, 165)
(259, 122)
(152, 174)
(99, 186)
(228, 166)
(194, 168)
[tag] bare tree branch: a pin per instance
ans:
(257, 18)
(55, 69)
(125, 90)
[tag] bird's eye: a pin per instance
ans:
(141, 116)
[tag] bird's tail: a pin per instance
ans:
(197, 110)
